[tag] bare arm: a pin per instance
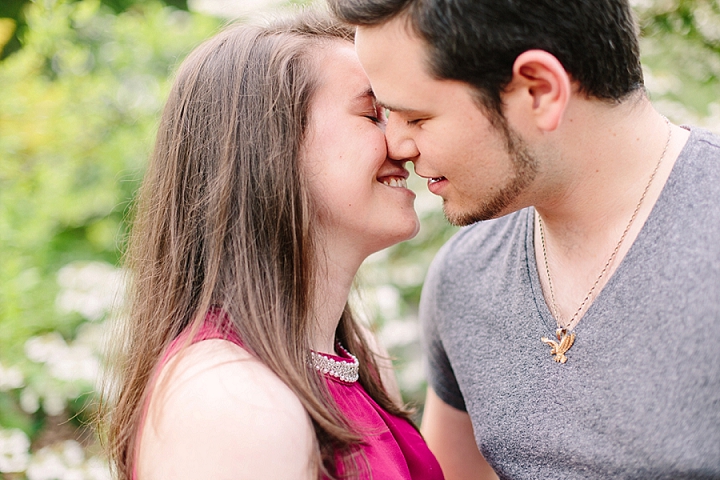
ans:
(449, 434)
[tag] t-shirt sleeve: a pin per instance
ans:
(439, 370)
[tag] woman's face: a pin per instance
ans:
(361, 194)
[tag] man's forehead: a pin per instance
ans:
(394, 31)
(395, 62)
(383, 50)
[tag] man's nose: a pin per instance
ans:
(400, 141)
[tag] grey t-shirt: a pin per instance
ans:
(639, 397)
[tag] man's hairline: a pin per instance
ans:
(413, 32)
(411, 29)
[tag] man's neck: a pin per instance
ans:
(609, 157)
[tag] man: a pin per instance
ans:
(572, 329)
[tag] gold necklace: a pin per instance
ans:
(566, 338)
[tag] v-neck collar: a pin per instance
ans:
(585, 326)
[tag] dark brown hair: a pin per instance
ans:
(224, 220)
(477, 41)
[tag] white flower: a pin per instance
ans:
(388, 300)
(399, 332)
(408, 275)
(46, 465)
(60, 461)
(10, 377)
(90, 289)
(231, 9)
(14, 446)
(72, 453)
(412, 376)
(76, 363)
(97, 469)
(64, 362)
(53, 404)
(73, 474)
(44, 348)
(92, 335)
(29, 400)
(66, 461)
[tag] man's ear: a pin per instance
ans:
(542, 86)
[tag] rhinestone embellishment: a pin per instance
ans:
(345, 371)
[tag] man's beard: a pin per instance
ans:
(525, 169)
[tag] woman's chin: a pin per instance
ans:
(413, 228)
(400, 235)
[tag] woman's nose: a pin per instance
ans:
(400, 142)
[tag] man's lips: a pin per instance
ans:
(436, 184)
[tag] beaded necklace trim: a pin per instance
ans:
(346, 371)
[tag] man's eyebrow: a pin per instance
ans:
(403, 110)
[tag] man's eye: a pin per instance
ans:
(373, 118)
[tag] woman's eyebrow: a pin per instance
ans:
(362, 99)
(366, 93)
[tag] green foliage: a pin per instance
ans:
(11, 14)
(77, 111)
(15, 11)
(681, 53)
(78, 107)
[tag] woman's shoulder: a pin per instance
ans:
(218, 412)
(225, 374)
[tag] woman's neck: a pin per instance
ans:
(332, 288)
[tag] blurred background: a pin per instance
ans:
(81, 87)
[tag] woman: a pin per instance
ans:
(268, 187)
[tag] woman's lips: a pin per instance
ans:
(393, 181)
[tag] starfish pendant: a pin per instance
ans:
(558, 349)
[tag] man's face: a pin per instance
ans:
(480, 170)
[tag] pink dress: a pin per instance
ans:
(393, 448)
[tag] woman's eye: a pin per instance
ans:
(380, 115)
(377, 114)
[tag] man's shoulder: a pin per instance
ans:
(479, 247)
(695, 178)
(486, 238)
(702, 146)
(704, 136)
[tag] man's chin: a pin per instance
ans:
(505, 202)
(463, 217)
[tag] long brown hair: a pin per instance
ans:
(224, 220)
